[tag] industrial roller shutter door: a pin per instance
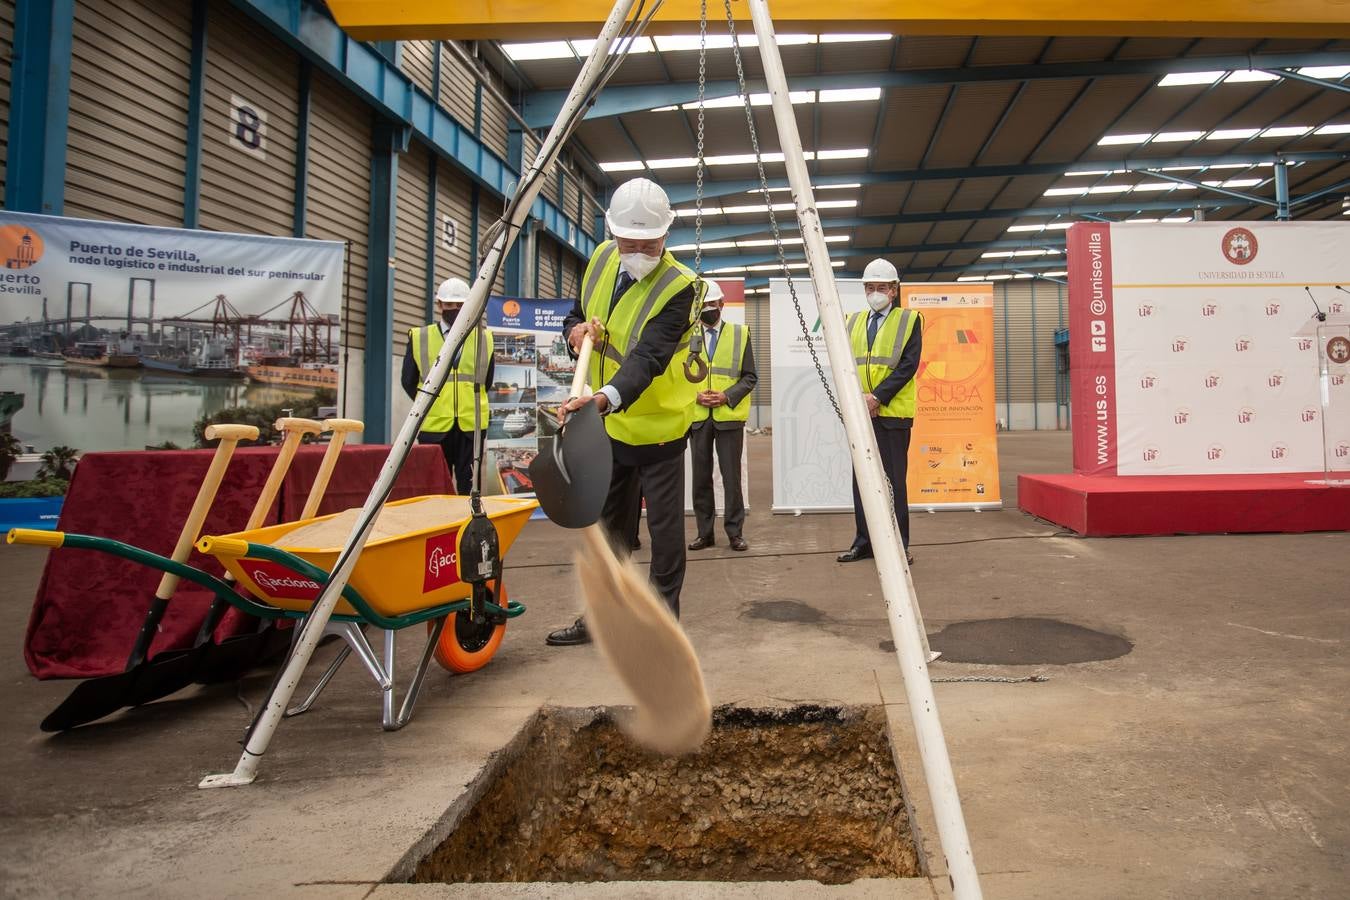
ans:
(127, 131)
(249, 127)
(410, 243)
(454, 219)
(337, 199)
(1019, 362)
(418, 62)
(757, 318)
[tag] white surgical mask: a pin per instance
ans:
(878, 300)
(638, 265)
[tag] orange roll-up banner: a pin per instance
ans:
(953, 452)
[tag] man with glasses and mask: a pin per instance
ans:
(887, 342)
(637, 304)
(451, 419)
(719, 421)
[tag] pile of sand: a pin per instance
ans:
(431, 512)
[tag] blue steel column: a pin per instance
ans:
(379, 356)
(515, 155)
(39, 106)
(1281, 192)
(192, 168)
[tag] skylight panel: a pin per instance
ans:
(850, 95)
(853, 38)
(1176, 137)
(1115, 139)
(641, 45)
(1249, 75)
(626, 165)
(538, 50)
(1177, 79)
(1327, 72)
(1286, 131)
(1341, 128)
(1067, 192)
(1232, 134)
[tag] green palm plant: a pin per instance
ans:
(10, 448)
(58, 462)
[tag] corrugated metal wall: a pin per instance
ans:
(571, 276)
(1026, 314)
(458, 88)
(337, 199)
(127, 138)
(489, 211)
(410, 242)
(6, 56)
(454, 200)
(757, 318)
(495, 124)
(248, 72)
(419, 63)
(547, 261)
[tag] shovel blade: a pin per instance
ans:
(572, 481)
(93, 699)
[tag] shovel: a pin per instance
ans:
(572, 480)
(174, 670)
(235, 656)
(97, 697)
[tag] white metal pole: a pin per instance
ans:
(274, 710)
(896, 587)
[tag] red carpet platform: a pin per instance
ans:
(1111, 505)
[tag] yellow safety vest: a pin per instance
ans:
(454, 405)
(665, 410)
(724, 370)
(876, 363)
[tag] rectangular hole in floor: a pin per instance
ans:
(802, 793)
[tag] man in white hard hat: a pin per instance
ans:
(887, 343)
(462, 403)
(719, 420)
(637, 304)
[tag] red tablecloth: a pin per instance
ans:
(90, 605)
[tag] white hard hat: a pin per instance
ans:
(639, 210)
(712, 292)
(880, 270)
(453, 290)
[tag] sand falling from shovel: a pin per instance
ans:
(646, 647)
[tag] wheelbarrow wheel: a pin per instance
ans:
(466, 646)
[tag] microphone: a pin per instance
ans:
(1341, 289)
(1321, 316)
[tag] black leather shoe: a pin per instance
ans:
(701, 543)
(570, 636)
(738, 543)
(853, 554)
(909, 558)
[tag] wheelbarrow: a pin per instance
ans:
(407, 579)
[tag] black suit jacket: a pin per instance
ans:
(901, 375)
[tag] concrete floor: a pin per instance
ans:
(1208, 762)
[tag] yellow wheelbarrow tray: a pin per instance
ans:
(396, 576)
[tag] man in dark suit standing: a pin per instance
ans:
(719, 421)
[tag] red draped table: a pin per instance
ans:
(90, 605)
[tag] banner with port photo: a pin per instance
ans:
(953, 452)
(1198, 349)
(116, 336)
(953, 459)
(532, 375)
(733, 310)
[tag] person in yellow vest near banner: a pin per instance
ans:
(637, 304)
(719, 421)
(450, 422)
(887, 343)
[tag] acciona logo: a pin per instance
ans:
(1239, 246)
(275, 583)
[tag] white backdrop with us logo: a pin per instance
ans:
(1215, 366)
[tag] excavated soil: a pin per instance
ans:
(793, 794)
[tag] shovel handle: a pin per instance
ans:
(583, 366)
(340, 428)
(294, 430)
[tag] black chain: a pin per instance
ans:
(773, 219)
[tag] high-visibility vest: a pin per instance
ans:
(454, 405)
(724, 370)
(665, 409)
(875, 363)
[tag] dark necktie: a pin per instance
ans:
(873, 320)
(712, 341)
(624, 282)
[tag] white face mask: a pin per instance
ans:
(638, 265)
(878, 300)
